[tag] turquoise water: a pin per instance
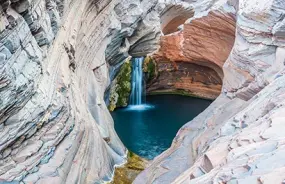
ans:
(148, 130)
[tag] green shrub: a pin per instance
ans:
(121, 87)
(149, 67)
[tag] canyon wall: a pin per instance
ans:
(240, 137)
(58, 58)
(56, 61)
(184, 78)
(192, 52)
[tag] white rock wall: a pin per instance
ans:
(57, 59)
(54, 70)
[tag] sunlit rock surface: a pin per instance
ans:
(56, 59)
(239, 138)
(205, 40)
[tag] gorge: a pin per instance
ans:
(147, 124)
(65, 64)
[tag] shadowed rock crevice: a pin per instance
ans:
(185, 79)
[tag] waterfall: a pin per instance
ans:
(137, 82)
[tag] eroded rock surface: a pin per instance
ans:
(58, 58)
(56, 61)
(239, 138)
(205, 40)
(185, 79)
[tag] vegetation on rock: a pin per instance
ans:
(149, 67)
(127, 173)
(121, 87)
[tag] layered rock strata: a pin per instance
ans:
(174, 15)
(239, 138)
(56, 59)
(185, 79)
(203, 40)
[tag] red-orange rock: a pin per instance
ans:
(209, 40)
(186, 78)
(205, 41)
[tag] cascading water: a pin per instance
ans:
(137, 82)
(137, 98)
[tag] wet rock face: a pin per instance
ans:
(54, 69)
(238, 138)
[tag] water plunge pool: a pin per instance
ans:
(148, 130)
